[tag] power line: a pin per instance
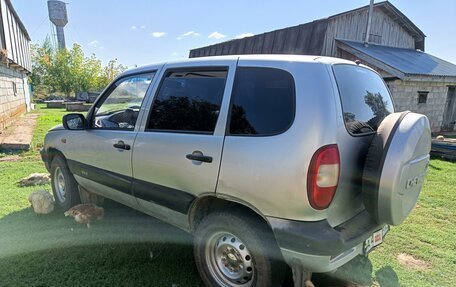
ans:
(39, 26)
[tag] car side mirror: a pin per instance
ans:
(74, 122)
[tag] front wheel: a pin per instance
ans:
(231, 250)
(64, 186)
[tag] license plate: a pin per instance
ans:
(375, 239)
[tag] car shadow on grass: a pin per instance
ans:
(358, 272)
(126, 248)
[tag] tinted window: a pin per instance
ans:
(188, 101)
(262, 102)
(120, 108)
(365, 98)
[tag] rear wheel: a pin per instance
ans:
(64, 186)
(231, 250)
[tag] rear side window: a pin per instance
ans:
(188, 101)
(365, 98)
(263, 102)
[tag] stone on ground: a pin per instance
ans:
(42, 202)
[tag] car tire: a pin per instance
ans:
(236, 251)
(64, 186)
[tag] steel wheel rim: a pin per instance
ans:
(229, 260)
(59, 184)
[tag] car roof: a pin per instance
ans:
(265, 57)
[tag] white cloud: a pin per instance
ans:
(244, 35)
(143, 27)
(189, 33)
(158, 34)
(216, 35)
(94, 43)
(175, 54)
(133, 27)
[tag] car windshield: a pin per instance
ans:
(126, 94)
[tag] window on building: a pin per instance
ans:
(422, 97)
(374, 38)
(188, 101)
(263, 102)
(14, 89)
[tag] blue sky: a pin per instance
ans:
(138, 32)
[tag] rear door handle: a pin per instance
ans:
(121, 145)
(199, 156)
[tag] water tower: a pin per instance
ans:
(58, 16)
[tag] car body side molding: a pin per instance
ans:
(171, 198)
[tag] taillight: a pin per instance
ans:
(323, 176)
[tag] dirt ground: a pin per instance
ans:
(18, 136)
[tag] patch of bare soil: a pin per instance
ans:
(10, 158)
(413, 263)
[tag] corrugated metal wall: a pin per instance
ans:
(303, 39)
(14, 38)
(389, 27)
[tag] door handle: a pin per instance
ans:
(121, 145)
(199, 156)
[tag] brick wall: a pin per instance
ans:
(12, 104)
(405, 95)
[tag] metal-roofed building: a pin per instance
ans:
(15, 65)
(395, 47)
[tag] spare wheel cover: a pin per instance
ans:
(396, 165)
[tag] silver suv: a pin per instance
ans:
(264, 159)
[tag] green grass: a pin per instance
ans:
(52, 250)
(429, 233)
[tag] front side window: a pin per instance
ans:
(188, 101)
(120, 108)
(365, 98)
(263, 102)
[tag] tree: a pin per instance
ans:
(110, 71)
(69, 71)
(42, 59)
(61, 73)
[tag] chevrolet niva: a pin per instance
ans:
(265, 159)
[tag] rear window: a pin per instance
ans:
(365, 98)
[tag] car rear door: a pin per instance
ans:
(177, 153)
(364, 102)
(100, 156)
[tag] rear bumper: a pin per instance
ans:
(320, 247)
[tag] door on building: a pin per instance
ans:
(449, 115)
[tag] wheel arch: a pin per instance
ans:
(51, 153)
(206, 204)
